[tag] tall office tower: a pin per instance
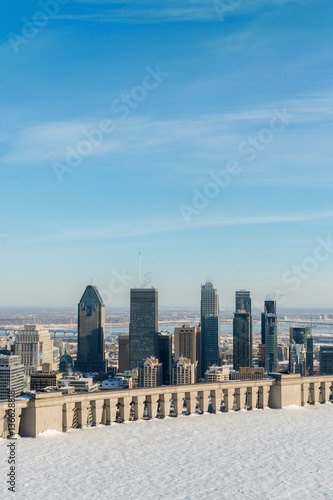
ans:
(301, 351)
(243, 301)
(11, 376)
(123, 361)
(210, 327)
(188, 345)
(91, 332)
(165, 356)
(34, 346)
(326, 360)
(143, 325)
(269, 336)
(242, 331)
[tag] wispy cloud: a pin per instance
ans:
(147, 12)
(158, 226)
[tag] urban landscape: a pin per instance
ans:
(166, 250)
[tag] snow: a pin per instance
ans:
(260, 454)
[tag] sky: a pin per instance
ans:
(198, 133)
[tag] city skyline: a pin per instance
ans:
(219, 158)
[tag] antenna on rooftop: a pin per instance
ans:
(139, 269)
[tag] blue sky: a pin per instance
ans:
(226, 74)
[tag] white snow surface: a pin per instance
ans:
(259, 454)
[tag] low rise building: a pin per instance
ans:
(248, 373)
(80, 384)
(44, 378)
(217, 374)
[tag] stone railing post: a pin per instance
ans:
(125, 408)
(314, 391)
(139, 406)
(97, 411)
(263, 396)
(152, 405)
(325, 391)
(178, 402)
(165, 404)
(191, 402)
(216, 396)
(204, 400)
(228, 399)
(67, 416)
(305, 389)
(241, 397)
(252, 397)
(82, 410)
(111, 410)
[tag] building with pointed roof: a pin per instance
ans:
(91, 332)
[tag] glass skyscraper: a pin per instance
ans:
(91, 332)
(242, 331)
(210, 327)
(143, 326)
(269, 335)
(301, 351)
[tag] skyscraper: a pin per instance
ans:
(11, 376)
(123, 359)
(165, 356)
(143, 325)
(242, 331)
(326, 360)
(210, 327)
(243, 301)
(188, 345)
(91, 332)
(301, 351)
(269, 335)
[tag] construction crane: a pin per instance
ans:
(307, 371)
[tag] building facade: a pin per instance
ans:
(34, 347)
(326, 360)
(143, 326)
(301, 351)
(165, 356)
(183, 372)
(242, 332)
(91, 332)
(269, 337)
(123, 358)
(150, 373)
(188, 345)
(210, 327)
(11, 376)
(45, 378)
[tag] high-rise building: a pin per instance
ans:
(123, 343)
(35, 347)
(326, 360)
(243, 301)
(91, 332)
(210, 327)
(269, 336)
(188, 345)
(242, 331)
(11, 376)
(143, 325)
(150, 373)
(183, 372)
(301, 351)
(165, 356)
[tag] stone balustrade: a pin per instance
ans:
(44, 411)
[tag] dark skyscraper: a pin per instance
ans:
(269, 335)
(326, 360)
(91, 327)
(165, 356)
(301, 351)
(210, 327)
(243, 301)
(123, 342)
(143, 325)
(242, 331)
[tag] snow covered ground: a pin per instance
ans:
(270, 454)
